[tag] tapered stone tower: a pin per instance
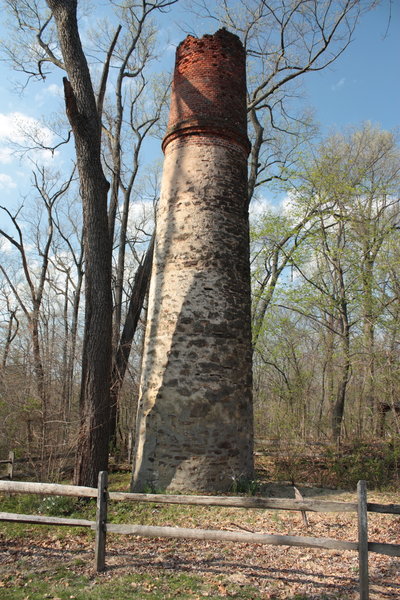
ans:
(194, 426)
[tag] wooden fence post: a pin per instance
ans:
(363, 539)
(10, 465)
(101, 522)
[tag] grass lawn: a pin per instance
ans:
(64, 584)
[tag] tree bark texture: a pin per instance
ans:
(138, 293)
(345, 369)
(92, 449)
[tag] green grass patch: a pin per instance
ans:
(53, 506)
(60, 506)
(119, 480)
(63, 584)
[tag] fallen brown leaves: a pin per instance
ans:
(278, 572)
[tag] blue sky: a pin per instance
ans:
(363, 84)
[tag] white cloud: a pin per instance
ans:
(54, 90)
(288, 203)
(6, 246)
(5, 155)
(141, 214)
(261, 205)
(18, 129)
(6, 182)
(339, 84)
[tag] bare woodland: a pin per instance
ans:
(76, 251)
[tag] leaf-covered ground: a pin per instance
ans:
(40, 562)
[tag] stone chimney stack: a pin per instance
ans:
(195, 422)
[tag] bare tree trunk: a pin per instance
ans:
(11, 333)
(139, 290)
(92, 449)
(73, 335)
(369, 374)
(327, 384)
(40, 382)
(65, 404)
(369, 337)
(339, 404)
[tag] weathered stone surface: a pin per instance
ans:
(194, 429)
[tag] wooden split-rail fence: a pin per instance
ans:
(102, 527)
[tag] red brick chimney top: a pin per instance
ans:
(209, 89)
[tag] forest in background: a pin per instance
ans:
(325, 262)
(327, 347)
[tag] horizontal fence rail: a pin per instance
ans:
(45, 520)
(55, 489)
(231, 536)
(102, 527)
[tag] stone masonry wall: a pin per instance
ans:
(194, 428)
